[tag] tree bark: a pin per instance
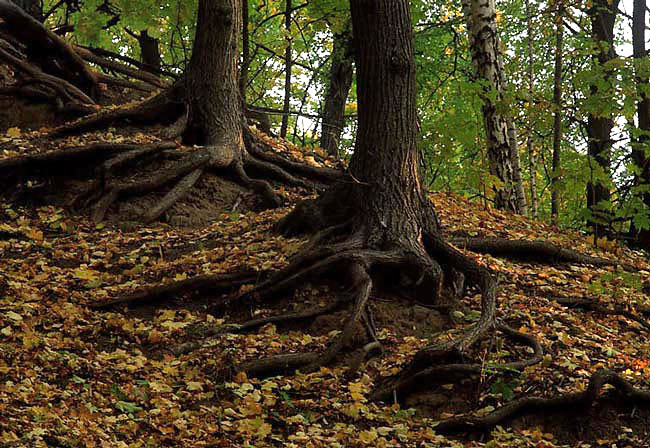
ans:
(340, 81)
(215, 110)
(480, 16)
(32, 7)
(557, 119)
(603, 16)
(640, 152)
(532, 168)
(149, 51)
(287, 74)
(245, 53)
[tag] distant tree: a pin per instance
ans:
(338, 87)
(502, 149)
(640, 147)
(602, 15)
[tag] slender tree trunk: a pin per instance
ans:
(602, 16)
(245, 53)
(340, 80)
(532, 168)
(287, 75)
(480, 16)
(640, 149)
(557, 119)
(149, 51)
(215, 112)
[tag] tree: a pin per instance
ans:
(639, 147)
(532, 166)
(379, 223)
(557, 118)
(503, 153)
(288, 61)
(602, 15)
(339, 82)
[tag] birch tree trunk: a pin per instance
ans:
(503, 155)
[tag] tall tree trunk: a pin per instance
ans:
(640, 151)
(557, 119)
(287, 75)
(245, 53)
(215, 111)
(602, 15)
(149, 51)
(480, 16)
(532, 167)
(32, 7)
(340, 80)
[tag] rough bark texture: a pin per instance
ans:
(245, 53)
(480, 16)
(340, 80)
(640, 153)
(215, 116)
(602, 15)
(557, 119)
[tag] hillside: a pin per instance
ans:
(162, 371)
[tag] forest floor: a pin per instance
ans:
(72, 375)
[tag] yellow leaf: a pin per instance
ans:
(194, 385)
(13, 132)
(367, 437)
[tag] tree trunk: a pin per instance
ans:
(480, 16)
(532, 168)
(602, 15)
(340, 80)
(640, 146)
(149, 51)
(215, 111)
(287, 74)
(245, 53)
(391, 197)
(32, 7)
(557, 120)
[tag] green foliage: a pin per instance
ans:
(449, 98)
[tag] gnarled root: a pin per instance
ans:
(531, 405)
(540, 251)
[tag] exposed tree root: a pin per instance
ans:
(531, 405)
(194, 161)
(540, 251)
(51, 163)
(596, 307)
(41, 43)
(437, 373)
(214, 283)
(256, 323)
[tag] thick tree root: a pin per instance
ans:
(531, 405)
(193, 162)
(214, 283)
(254, 324)
(540, 251)
(593, 305)
(42, 42)
(437, 373)
(51, 163)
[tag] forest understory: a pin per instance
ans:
(173, 276)
(114, 332)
